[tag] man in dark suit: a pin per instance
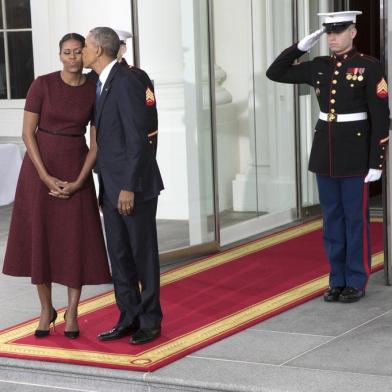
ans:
(152, 115)
(130, 183)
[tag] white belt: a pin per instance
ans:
(342, 117)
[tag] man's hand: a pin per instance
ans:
(126, 200)
(373, 175)
(310, 40)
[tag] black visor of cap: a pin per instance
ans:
(336, 27)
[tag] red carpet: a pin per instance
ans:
(202, 302)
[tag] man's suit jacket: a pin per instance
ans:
(125, 159)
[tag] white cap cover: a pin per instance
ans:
(123, 35)
(339, 17)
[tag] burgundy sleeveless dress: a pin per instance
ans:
(50, 239)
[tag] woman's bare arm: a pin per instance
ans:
(88, 165)
(30, 122)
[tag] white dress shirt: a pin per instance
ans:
(105, 73)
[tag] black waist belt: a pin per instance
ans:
(59, 133)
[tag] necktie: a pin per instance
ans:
(98, 90)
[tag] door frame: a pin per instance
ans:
(386, 180)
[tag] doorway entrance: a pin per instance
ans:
(233, 146)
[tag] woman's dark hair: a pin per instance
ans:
(67, 37)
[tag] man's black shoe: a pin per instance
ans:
(332, 294)
(117, 332)
(145, 336)
(350, 294)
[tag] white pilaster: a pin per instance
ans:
(182, 90)
(270, 172)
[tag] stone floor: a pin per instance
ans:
(314, 347)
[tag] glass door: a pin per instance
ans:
(174, 51)
(255, 118)
(208, 64)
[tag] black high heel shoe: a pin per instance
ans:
(40, 333)
(70, 334)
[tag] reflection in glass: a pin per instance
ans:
(274, 112)
(3, 85)
(254, 118)
(186, 207)
(235, 125)
(20, 52)
(18, 14)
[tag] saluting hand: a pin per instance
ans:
(126, 200)
(310, 40)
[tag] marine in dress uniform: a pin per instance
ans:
(349, 144)
(151, 120)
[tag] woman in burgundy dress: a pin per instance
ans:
(55, 233)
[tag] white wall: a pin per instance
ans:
(51, 20)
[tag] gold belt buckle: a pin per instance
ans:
(331, 117)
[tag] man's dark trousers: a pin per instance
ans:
(133, 251)
(344, 202)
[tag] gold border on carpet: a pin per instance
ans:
(179, 344)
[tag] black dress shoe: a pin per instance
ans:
(118, 332)
(145, 335)
(350, 294)
(332, 294)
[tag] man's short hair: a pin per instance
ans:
(107, 39)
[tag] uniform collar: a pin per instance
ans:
(345, 56)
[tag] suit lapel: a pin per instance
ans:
(105, 92)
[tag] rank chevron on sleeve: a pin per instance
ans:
(150, 98)
(382, 88)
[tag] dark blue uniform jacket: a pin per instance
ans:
(351, 83)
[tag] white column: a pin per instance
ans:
(233, 52)
(162, 57)
(182, 90)
(273, 138)
(175, 56)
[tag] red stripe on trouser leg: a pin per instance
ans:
(365, 237)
